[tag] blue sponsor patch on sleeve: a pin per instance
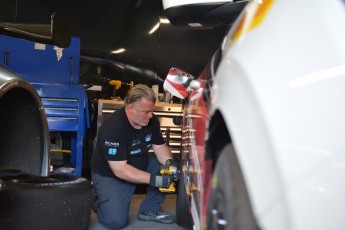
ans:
(112, 151)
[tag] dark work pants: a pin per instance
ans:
(113, 196)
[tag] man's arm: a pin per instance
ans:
(129, 173)
(162, 152)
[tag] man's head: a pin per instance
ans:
(139, 103)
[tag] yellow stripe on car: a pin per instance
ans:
(252, 16)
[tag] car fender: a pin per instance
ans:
(279, 89)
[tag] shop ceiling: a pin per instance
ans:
(128, 40)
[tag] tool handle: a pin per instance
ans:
(171, 188)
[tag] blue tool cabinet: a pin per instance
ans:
(54, 73)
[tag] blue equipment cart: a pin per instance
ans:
(54, 73)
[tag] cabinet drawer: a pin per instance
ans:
(62, 124)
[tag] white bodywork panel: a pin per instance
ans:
(173, 3)
(281, 89)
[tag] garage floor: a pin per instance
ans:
(168, 206)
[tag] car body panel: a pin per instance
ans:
(280, 89)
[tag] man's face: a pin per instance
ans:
(141, 112)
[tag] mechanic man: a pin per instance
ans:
(121, 161)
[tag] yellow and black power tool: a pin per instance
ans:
(172, 171)
(117, 84)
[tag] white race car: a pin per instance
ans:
(264, 125)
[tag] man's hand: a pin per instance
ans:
(163, 181)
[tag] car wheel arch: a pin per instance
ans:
(216, 128)
(221, 124)
(219, 138)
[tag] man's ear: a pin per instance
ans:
(130, 106)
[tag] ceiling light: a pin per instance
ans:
(121, 50)
(155, 27)
(195, 24)
(164, 21)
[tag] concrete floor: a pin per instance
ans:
(168, 206)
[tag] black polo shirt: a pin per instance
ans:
(117, 140)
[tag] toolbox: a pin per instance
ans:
(54, 73)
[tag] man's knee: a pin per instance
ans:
(113, 222)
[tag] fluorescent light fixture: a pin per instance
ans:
(156, 26)
(164, 21)
(121, 50)
(195, 24)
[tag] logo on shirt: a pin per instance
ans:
(111, 144)
(137, 151)
(112, 151)
(148, 137)
(135, 142)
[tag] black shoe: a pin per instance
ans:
(157, 216)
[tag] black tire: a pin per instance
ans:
(229, 206)
(55, 202)
(183, 214)
(9, 174)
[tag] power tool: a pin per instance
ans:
(117, 84)
(172, 171)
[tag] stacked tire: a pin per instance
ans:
(54, 202)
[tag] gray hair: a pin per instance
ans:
(137, 92)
